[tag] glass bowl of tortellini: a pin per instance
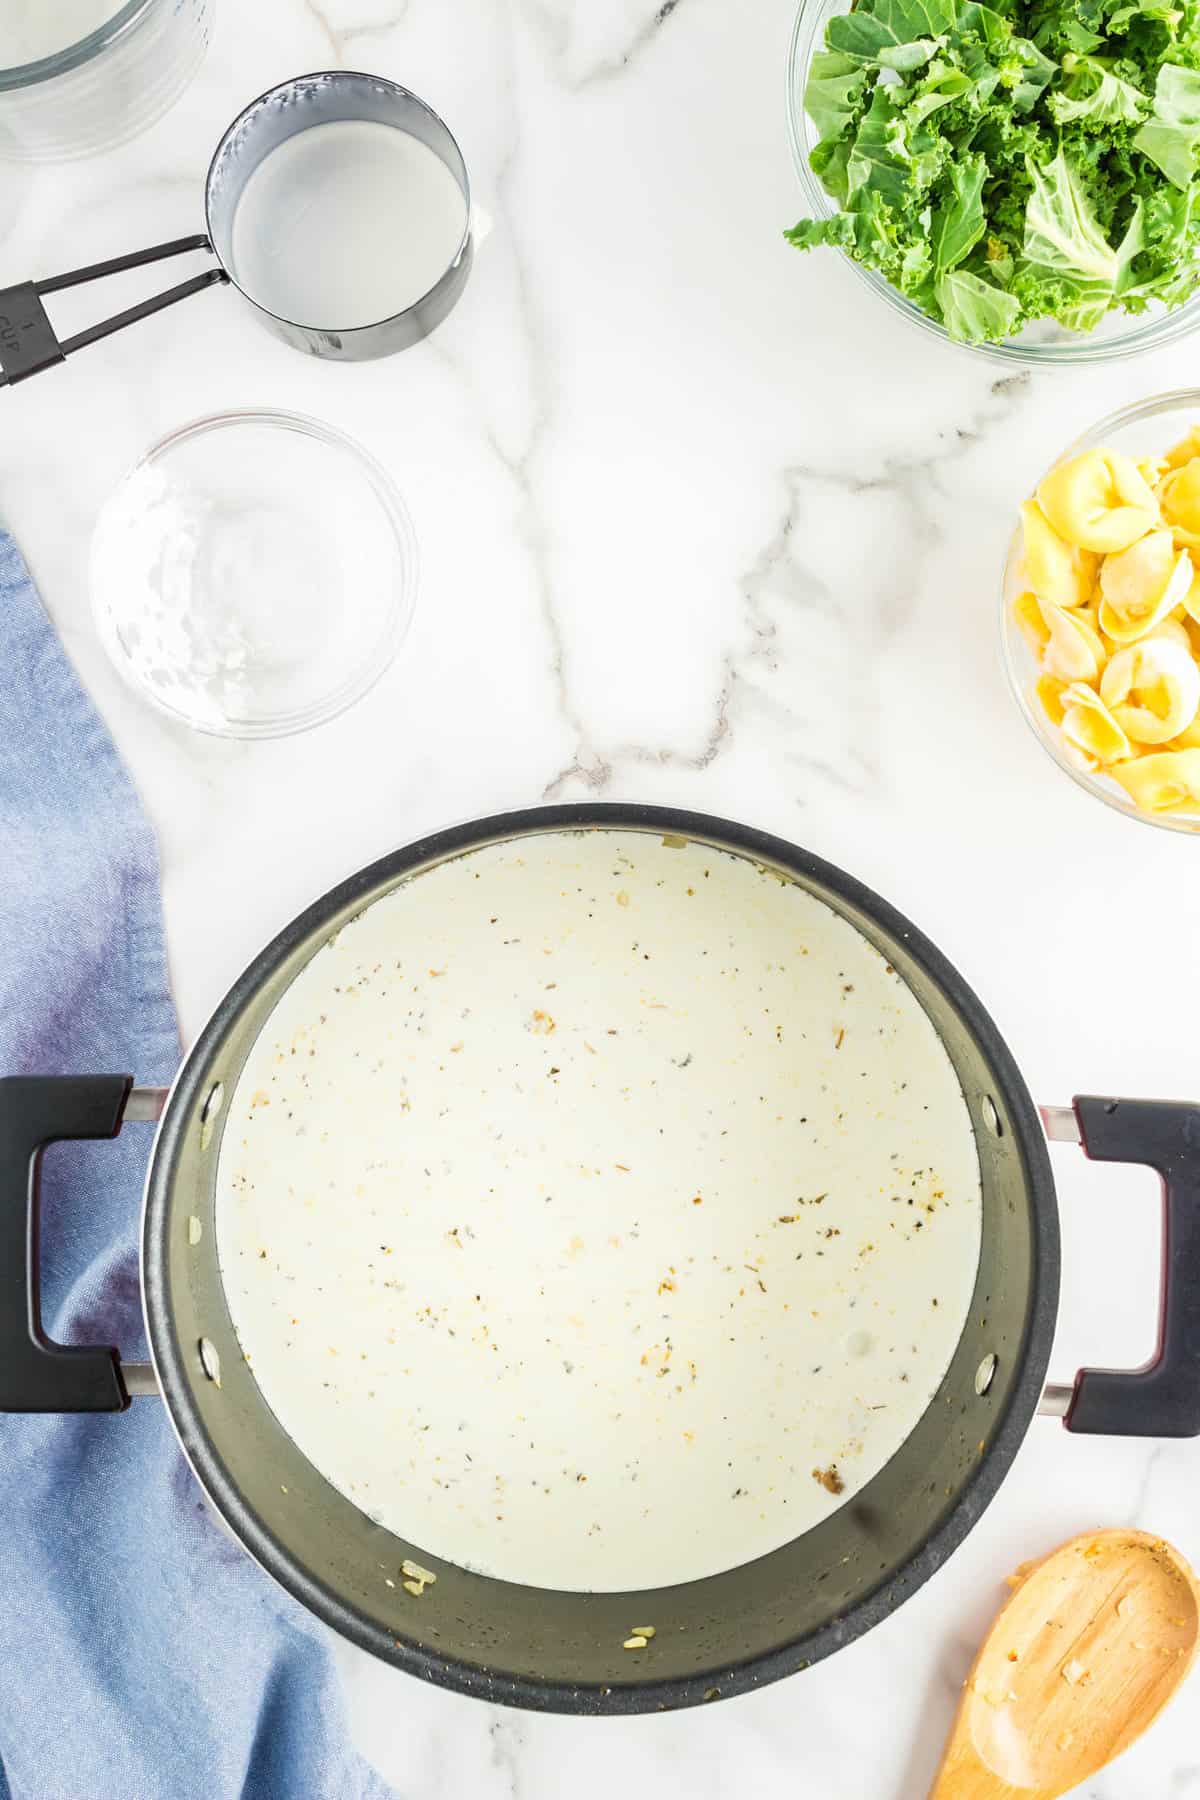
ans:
(1102, 611)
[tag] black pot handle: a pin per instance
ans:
(35, 1374)
(29, 343)
(1163, 1399)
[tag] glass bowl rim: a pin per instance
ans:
(1135, 413)
(404, 580)
(74, 56)
(1154, 334)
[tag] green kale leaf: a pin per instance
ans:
(833, 92)
(974, 309)
(1171, 134)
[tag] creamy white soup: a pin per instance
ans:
(598, 1212)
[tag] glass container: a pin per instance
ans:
(1146, 429)
(78, 76)
(1117, 336)
(254, 574)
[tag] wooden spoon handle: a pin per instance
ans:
(965, 1776)
(968, 1780)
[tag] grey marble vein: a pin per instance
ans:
(785, 589)
(555, 29)
(523, 463)
(339, 37)
(323, 25)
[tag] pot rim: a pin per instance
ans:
(530, 1692)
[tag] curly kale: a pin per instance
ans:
(1003, 164)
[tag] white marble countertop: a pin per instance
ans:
(701, 523)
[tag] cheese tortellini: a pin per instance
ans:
(1168, 782)
(1179, 496)
(1099, 500)
(1152, 690)
(1141, 586)
(1074, 648)
(1091, 727)
(1056, 570)
(1183, 451)
(1110, 608)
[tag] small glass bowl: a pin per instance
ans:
(109, 84)
(1146, 429)
(254, 574)
(1117, 336)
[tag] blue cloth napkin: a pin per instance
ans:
(144, 1656)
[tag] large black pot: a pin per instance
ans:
(563, 1651)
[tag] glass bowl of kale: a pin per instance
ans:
(1023, 179)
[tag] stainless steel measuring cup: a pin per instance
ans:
(29, 343)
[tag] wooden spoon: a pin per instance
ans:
(1084, 1656)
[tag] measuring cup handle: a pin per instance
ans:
(28, 341)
